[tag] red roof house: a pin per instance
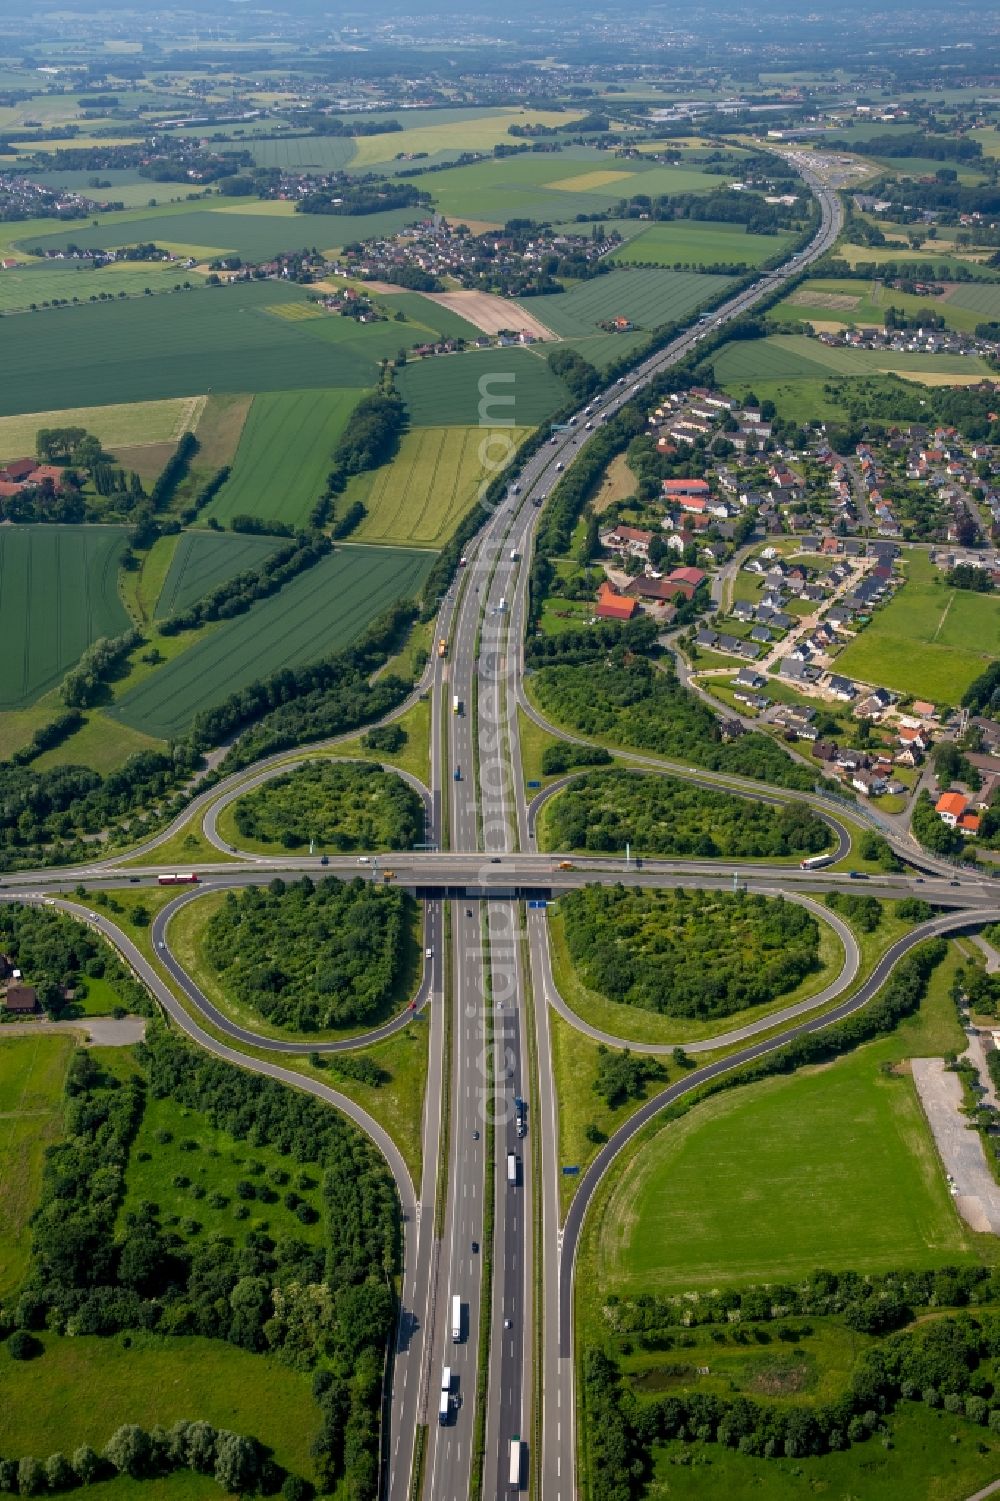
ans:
(614, 606)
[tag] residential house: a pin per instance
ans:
(21, 1000)
(749, 677)
(614, 606)
(841, 687)
(631, 541)
(950, 808)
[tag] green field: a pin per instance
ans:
(431, 483)
(810, 303)
(32, 1070)
(284, 455)
(326, 153)
(831, 1166)
(698, 242)
(981, 298)
(933, 1456)
(80, 1390)
(73, 280)
(319, 612)
(216, 1163)
(797, 357)
(205, 232)
(496, 388)
(648, 298)
(540, 186)
(58, 593)
(127, 425)
(432, 319)
(220, 339)
(203, 559)
(929, 640)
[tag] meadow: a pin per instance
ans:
(840, 300)
(284, 455)
(929, 640)
(432, 482)
(795, 356)
(58, 593)
(201, 560)
(831, 1166)
(697, 242)
(321, 611)
(80, 1390)
(121, 425)
(218, 339)
(541, 186)
(174, 1143)
(648, 298)
(429, 317)
(36, 284)
(32, 1071)
(205, 232)
(932, 1456)
(518, 389)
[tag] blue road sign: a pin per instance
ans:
(541, 904)
(534, 784)
(570, 1172)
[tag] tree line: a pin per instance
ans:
(82, 685)
(236, 1462)
(236, 595)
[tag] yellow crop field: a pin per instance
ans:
(125, 425)
(588, 182)
(461, 135)
(432, 482)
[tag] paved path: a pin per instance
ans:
(977, 1196)
(102, 1031)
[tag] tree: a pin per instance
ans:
(87, 1464)
(23, 1346)
(200, 1447)
(237, 1462)
(59, 1475)
(30, 1476)
(128, 1449)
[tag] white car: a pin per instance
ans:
(428, 953)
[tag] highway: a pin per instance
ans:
(484, 958)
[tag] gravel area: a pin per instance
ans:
(102, 1031)
(977, 1196)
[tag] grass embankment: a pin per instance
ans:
(80, 1390)
(32, 1072)
(831, 1166)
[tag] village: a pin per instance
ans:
(764, 563)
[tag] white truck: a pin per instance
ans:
(514, 555)
(512, 1168)
(456, 704)
(456, 1320)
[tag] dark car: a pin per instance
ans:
(324, 859)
